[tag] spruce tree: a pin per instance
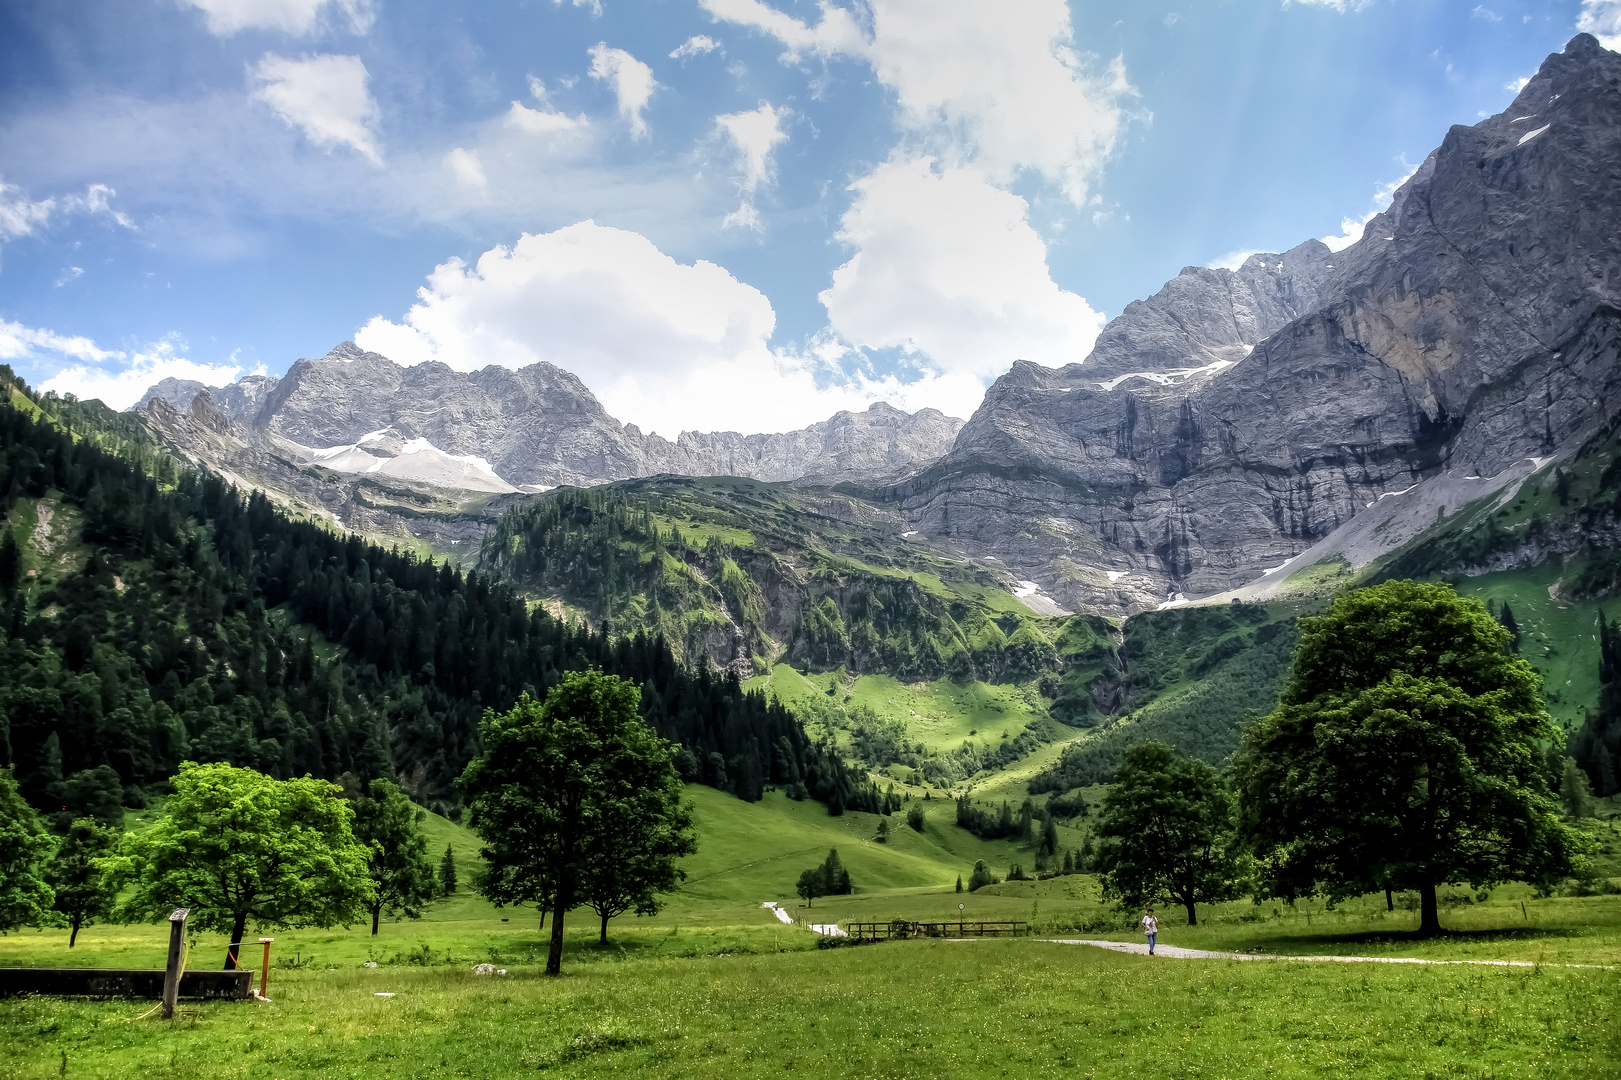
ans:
(447, 872)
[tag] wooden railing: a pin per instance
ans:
(905, 928)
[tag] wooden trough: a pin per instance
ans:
(903, 928)
(124, 982)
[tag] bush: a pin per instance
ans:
(981, 877)
(914, 817)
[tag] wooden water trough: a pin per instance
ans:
(904, 928)
(124, 982)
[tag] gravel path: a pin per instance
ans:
(1176, 953)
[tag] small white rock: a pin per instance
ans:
(369, 963)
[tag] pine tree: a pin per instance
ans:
(959, 883)
(447, 872)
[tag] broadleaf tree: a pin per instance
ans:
(75, 875)
(1406, 752)
(554, 788)
(386, 823)
(234, 844)
(1168, 833)
(25, 898)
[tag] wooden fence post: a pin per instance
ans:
(171, 975)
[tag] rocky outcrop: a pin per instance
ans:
(533, 428)
(1236, 418)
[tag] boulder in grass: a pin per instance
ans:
(488, 969)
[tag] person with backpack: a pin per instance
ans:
(1151, 928)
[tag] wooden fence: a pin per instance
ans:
(903, 928)
(123, 982)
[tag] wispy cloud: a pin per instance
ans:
(325, 96)
(632, 83)
(696, 45)
(296, 17)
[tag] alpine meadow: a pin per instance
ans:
(781, 573)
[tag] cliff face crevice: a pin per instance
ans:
(1236, 417)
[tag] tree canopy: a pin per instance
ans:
(1168, 828)
(828, 879)
(234, 844)
(25, 898)
(1405, 752)
(564, 791)
(401, 875)
(75, 875)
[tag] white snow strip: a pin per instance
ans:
(1388, 494)
(1281, 565)
(1026, 588)
(1115, 575)
(908, 534)
(1176, 601)
(1168, 378)
(1517, 119)
(1529, 135)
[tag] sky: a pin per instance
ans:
(719, 214)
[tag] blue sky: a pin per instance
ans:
(730, 214)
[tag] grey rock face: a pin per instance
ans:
(1476, 323)
(540, 426)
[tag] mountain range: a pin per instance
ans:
(1231, 432)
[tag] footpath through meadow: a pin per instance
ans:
(1174, 952)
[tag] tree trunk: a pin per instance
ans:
(1390, 901)
(1429, 921)
(236, 940)
(376, 911)
(554, 955)
(1192, 919)
(74, 936)
(604, 940)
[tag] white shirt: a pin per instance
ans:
(1150, 924)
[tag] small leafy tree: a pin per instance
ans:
(883, 831)
(386, 822)
(915, 818)
(234, 844)
(1168, 831)
(828, 879)
(1404, 753)
(75, 875)
(630, 873)
(981, 877)
(447, 872)
(25, 898)
(563, 793)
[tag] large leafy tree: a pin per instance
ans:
(402, 877)
(75, 875)
(555, 791)
(630, 873)
(1168, 829)
(234, 844)
(1405, 752)
(25, 898)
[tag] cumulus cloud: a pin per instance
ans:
(632, 83)
(465, 166)
(696, 45)
(1516, 85)
(69, 364)
(1602, 19)
(754, 134)
(1351, 228)
(545, 120)
(23, 216)
(663, 344)
(997, 85)
(948, 265)
(1233, 259)
(325, 96)
(298, 17)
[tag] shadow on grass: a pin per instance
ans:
(1374, 939)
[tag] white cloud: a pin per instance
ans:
(1351, 228)
(467, 169)
(68, 275)
(696, 45)
(663, 344)
(755, 134)
(1602, 19)
(325, 96)
(995, 84)
(226, 17)
(1337, 5)
(594, 5)
(78, 366)
(1233, 259)
(21, 216)
(948, 265)
(632, 83)
(1516, 85)
(1481, 11)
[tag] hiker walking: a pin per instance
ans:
(1150, 927)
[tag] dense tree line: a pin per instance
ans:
(174, 619)
(1596, 745)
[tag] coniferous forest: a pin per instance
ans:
(173, 618)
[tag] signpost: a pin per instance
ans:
(171, 975)
(264, 972)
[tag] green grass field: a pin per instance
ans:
(716, 985)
